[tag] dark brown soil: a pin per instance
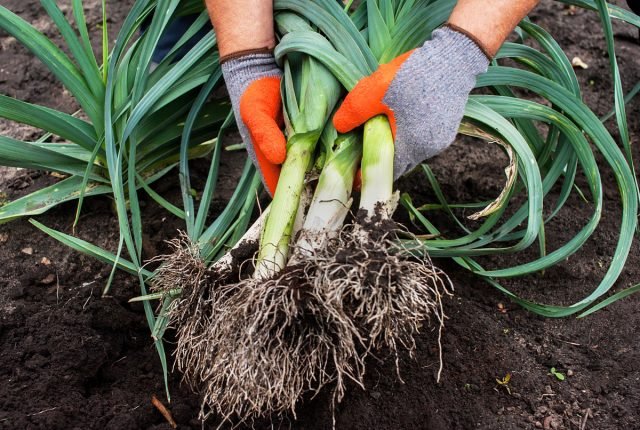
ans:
(70, 359)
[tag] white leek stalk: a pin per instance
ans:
(377, 168)
(332, 199)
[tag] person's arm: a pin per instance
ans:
(424, 92)
(242, 25)
(244, 30)
(490, 21)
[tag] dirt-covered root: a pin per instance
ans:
(276, 341)
(388, 293)
(192, 288)
(190, 313)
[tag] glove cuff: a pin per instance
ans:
(244, 53)
(458, 50)
(240, 71)
(477, 41)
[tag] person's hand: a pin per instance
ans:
(253, 82)
(423, 93)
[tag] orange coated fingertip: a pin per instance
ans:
(357, 181)
(366, 99)
(361, 104)
(271, 175)
(270, 139)
(270, 172)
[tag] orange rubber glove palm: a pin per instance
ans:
(253, 82)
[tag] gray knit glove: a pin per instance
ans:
(253, 82)
(423, 92)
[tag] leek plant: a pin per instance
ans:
(270, 315)
(332, 197)
(153, 117)
(307, 113)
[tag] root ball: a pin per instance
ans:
(388, 293)
(277, 340)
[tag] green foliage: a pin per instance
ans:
(156, 107)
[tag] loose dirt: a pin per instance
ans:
(72, 359)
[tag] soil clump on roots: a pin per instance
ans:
(278, 340)
(254, 346)
(387, 292)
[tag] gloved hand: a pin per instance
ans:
(422, 92)
(253, 82)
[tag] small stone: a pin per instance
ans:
(4, 237)
(28, 251)
(569, 372)
(376, 395)
(49, 279)
(548, 389)
(578, 63)
(45, 261)
(538, 424)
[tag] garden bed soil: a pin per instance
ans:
(72, 359)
